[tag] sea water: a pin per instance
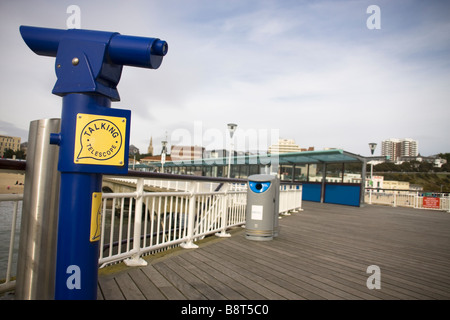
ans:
(6, 219)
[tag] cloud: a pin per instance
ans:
(9, 129)
(310, 69)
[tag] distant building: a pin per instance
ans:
(287, 146)
(219, 153)
(8, 142)
(150, 147)
(389, 186)
(179, 153)
(435, 160)
(153, 159)
(284, 146)
(396, 148)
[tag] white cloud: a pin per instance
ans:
(310, 69)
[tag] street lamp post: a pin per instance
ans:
(231, 128)
(163, 155)
(372, 147)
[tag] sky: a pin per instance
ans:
(317, 72)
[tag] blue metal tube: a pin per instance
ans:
(133, 51)
(77, 256)
(137, 51)
(43, 41)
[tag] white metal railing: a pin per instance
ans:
(138, 223)
(6, 282)
(407, 199)
(290, 198)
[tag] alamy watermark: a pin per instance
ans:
(373, 281)
(74, 279)
(374, 20)
(74, 20)
(250, 141)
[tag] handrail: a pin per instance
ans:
(171, 176)
(406, 198)
(12, 165)
(15, 165)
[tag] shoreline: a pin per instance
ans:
(8, 183)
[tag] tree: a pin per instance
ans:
(8, 154)
(406, 167)
(20, 154)
(385, 167)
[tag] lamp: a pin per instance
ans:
(231, 128)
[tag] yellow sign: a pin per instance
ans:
(96, 216)
(100, 140)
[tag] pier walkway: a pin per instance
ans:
(322, 252)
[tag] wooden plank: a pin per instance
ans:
(251, 273)
(315, 265)
(208, 291)
(109, 288)
(178, 282)
(277, 282)
(205, 273)
(166, 288)
(99, 293)
(306, 285)
(232, 272)
(147, 287)
(226, 279)
(129, 289)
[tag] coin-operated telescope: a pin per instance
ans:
(92, 61)
(94, 137)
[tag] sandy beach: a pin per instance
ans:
(8, 183)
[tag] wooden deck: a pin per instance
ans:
(321, 253)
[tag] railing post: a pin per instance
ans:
(286, 199)
(136, 260)
(300, 188)
(448, 203)
(416, 200)
(223, 233)
(189, 244)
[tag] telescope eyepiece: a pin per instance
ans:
(160, 48)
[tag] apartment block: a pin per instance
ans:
(7, 142)
(396, 148)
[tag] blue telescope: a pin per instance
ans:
(94, 137)
(91, 61)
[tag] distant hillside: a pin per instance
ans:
(431, 182)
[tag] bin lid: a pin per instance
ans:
(262, 177)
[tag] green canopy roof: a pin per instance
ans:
(305, 157)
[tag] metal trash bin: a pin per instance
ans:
(261, 216)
